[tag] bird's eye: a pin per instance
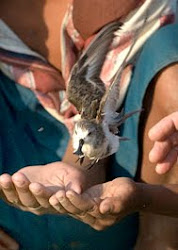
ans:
(90, 133)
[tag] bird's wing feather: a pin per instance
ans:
(93, 57)
(107, 109)
(85, 79)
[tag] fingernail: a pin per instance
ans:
(160, 170)
(6, 185)
(53, 201)
(60, 198)
(69, 195)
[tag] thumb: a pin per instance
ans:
(110, 206)
(75, 186)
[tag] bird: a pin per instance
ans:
(95, 134)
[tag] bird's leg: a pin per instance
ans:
(80, 159)
(89, 166)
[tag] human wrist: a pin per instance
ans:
(152, 197)
(158, 199)
(142, 196)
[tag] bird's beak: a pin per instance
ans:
(79, 150)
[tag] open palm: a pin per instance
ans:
(30, 188)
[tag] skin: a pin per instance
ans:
(6, 242)
(163, 103)
(104, 204)
(19, 190)
(165, 137)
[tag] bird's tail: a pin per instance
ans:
(119, 118)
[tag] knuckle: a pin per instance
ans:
(174, 139)
(83, 214)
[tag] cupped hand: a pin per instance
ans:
(165, 149)
(31, 187)
(102, 205)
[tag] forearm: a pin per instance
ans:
(159, 199)
(95, 174)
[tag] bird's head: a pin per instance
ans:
(87, 137)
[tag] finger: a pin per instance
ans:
(71, 185)
(53, 200)
(87, 219)
(21, 184)
(174, 139)
(91, 214)
(164, 128)
(67, 205)
(7, 242)
(112, 209)
(9, 189)
(41, 193)
(76, 183)
(159, 151)
(95, 219)
(84, 203)
(2, 196)
(164, 166)
(162, 148)
(109, 206)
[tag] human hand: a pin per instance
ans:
(30, 188)
(6, 242)
(102, 205)
(165, 137)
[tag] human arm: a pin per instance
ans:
(106, 204)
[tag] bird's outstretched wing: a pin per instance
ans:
(108, 104)
(93, 57)
(85, 88)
